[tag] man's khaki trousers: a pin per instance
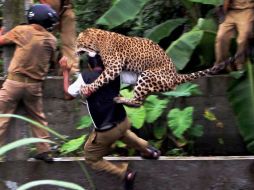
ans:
(237, 22)
(14, 92)
(99, 145)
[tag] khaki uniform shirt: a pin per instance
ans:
(241, 4)
(35, 47)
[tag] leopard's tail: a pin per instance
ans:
(207, 72)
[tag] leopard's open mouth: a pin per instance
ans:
(81, 51)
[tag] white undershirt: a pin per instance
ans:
(74, 88)
(125, 76)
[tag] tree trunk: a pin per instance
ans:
(13, 15)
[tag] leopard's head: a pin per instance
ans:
(87, 41)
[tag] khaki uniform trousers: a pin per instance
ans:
(68, 37)
(240, 21)
(99, 145)
(11, 94)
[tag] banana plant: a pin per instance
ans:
(120, 12)
(164, 29)
(209, 2)
(202, 36)
(241, 97)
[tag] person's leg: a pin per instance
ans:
(68, 36)
(34, 107)
(133, 141)
(146, 150)
(244, 28)
(97, 146)
(10, 95)
(223, 38)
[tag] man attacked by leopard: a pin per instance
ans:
(110, 122)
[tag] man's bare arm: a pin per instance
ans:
(66, 76)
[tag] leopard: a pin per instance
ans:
(155, 69)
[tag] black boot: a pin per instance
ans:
(45, 156)
(129, 180)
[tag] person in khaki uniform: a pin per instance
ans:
(35, 46)
(67, 30)
(110, 122)
(239, 16)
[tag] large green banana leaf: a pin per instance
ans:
(206, 46)
(241, 97)
(181, 50)
(120, 12)
(164, 29)
(202, 36)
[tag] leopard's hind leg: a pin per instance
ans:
(148, 82)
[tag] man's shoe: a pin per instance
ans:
(152, 153)
(45, 156)
(129, 180)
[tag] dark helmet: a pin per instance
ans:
(43, 15)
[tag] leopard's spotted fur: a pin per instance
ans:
(156, 71)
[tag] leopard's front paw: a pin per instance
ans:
(86, 91)
(127, 102)
(119, 99)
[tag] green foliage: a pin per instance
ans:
(34, 123)
(137, 116)
(58, 183)
(120, 144)
(21, 142)
(201, 38)
(160, 132)
(85, 122)
(241, 97)
(153, 113)
(152, 14)
(184, 90)
(181, 50)
(196, 131)
(72, 145)
(176, 152)
(120, 12)
(164, 29)
(209, 2)
(154, 107)
(88, 11)
(180, 120)
(149, 112)
(26, 141)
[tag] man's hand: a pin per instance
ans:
(63, 62)
(86, 91)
